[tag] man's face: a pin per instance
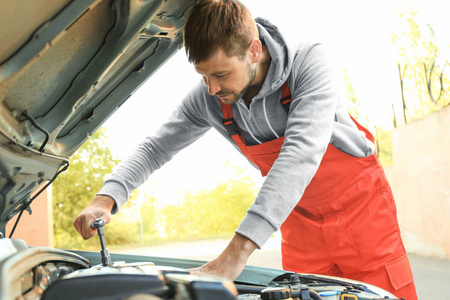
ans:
(228, 78)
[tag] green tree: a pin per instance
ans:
(383, 141)
(354, 103)
(383, 138)
(74, 189)
(210, 213)
(421, 67)
(149, 219)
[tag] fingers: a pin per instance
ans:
(100, 208)
(83, 221)
(227, 265)
(212, 268)
(82, 224)
(202, 270)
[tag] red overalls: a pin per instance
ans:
(345, 223)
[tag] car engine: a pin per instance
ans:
(47, 273)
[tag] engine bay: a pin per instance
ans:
(47, 273)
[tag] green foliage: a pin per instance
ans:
(354, 104)
(421, 68)
(383, 139)
(74, 189)
(149, 221)
(124, 226)
(210, 213)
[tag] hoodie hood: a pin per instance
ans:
(282, 49)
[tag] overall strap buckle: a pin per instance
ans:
(286, 98)
(231, 127)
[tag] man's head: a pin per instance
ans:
(218, 24)
(222, 41)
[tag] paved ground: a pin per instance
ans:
(432, 275)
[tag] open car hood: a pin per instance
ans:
(65, 67)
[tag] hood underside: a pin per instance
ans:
(65, 67)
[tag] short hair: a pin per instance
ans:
(214, 24)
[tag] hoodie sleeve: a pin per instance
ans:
(308, 133)
(186, 124)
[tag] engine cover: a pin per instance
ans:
(138, 281)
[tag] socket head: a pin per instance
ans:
(99, 223)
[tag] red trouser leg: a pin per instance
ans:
(355, 236)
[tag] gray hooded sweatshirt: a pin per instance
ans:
(317, 116)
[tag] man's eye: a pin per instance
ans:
(220, 75)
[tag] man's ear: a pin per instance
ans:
(255, 49)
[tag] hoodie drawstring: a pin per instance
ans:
(267, 119)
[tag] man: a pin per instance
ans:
(278, 103)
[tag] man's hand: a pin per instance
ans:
(100, 207)
(231, 261)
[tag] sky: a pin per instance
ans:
(357, 31)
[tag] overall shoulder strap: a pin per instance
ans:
(228, 122)
(285, 96)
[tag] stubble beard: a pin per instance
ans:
(251, 76)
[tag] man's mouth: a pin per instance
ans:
(221, 96)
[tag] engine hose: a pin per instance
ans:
(306, 294)
(249, 289)
(314, 295)
(254, 289)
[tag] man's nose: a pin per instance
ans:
(213, 86)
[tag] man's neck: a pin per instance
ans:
(262, 67)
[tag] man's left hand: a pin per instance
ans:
(230, 263)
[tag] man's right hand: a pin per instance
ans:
(100, 208)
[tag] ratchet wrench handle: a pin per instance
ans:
(104, 253)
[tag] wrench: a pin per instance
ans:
(106, 258)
